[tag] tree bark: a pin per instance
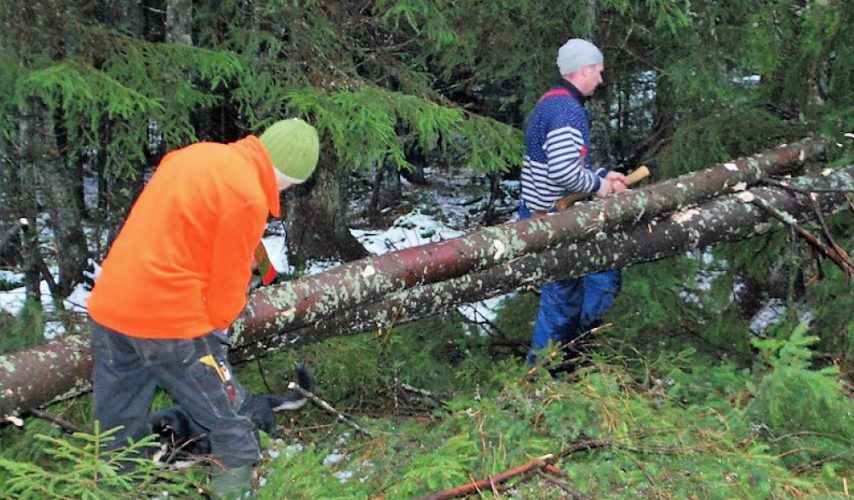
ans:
(57, 182)
(296, 303)
(723, 219)
(9, 255)
(179, 22)
(39, 375)
(320, 199)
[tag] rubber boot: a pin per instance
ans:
(229, 484)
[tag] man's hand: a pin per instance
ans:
(617, 180)
(605, 188)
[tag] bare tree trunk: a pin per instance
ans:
(314, 215)
(179, 22)
(27, 180)
(56, 183)
(9, 248)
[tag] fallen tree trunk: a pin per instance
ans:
(719, 220)
(294, 304)
(39, 375)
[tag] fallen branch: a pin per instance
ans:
(422, 392)
(60, 422)
(562, 485)
(827, 234)
(326, 406)
(839, 258)
(491, 481)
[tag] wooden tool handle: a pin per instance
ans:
(634, 177)
(639, 174)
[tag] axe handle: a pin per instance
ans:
(634, 177)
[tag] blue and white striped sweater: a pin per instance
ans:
(556, 143)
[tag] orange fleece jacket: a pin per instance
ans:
(180, 265)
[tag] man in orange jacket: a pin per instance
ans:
(175, 279)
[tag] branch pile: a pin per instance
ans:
(694, 210)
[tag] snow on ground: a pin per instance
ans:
(411, 229)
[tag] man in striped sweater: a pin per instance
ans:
(557, 163)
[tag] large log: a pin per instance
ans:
(39, 375)
(722, 219)
(295, 304)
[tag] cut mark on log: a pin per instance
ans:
(685, 215)
(746, 197)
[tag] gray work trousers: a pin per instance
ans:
(195, 372)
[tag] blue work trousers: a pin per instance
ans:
(573, 306)
(195, 372)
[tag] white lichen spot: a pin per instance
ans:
(368, 271)
(802, 155)
(746, 197)
(684, 215)
(499, 249)
(826, 172)
(732, 167)
(680, 185)
(741, 186)
(814, 196)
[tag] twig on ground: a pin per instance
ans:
(326, 406)
(562, 485)
(384, 330)
(61, 422)
(422, 392)
(566, 346)
(491, 481)
(546, 463)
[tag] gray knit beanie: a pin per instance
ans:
(577, 53)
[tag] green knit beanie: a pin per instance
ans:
(293, 147)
